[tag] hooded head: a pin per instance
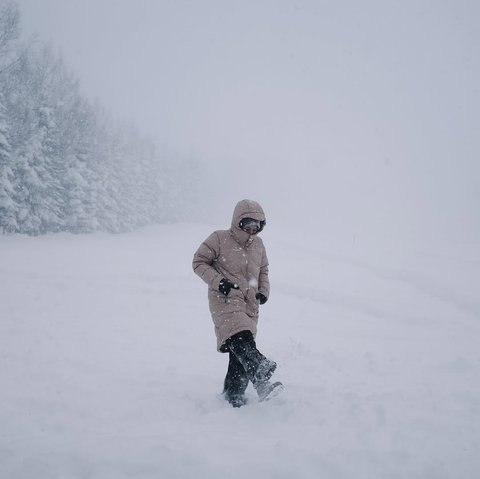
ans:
(247, 209)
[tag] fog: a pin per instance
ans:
(346, 118)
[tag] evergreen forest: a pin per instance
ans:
(65, 163)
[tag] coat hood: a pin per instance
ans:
(247, 209)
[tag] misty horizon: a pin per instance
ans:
(359, 119)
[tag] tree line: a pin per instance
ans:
(65, 164)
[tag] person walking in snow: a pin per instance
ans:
(234, 264)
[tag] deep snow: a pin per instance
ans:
(108, 366)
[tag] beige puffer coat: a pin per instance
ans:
(240, 258)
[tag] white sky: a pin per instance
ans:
(356, 115)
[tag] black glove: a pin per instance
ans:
(225, 286)
(261, 297)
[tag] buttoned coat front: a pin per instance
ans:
(240, 258)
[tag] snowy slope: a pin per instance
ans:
(108, 366)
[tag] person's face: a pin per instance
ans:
(252, 227)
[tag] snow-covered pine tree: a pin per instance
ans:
(8, 221)
(107, 177)
(53, 193)
(135, 171)
(76, 185)
(123, 174)
(148, 194)
(38, 190)
(9, 34)
(79, 179)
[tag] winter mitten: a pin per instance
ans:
(225, 286)
(261, 297)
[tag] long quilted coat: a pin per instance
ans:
(240, 258)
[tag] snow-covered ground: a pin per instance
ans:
(108, 368)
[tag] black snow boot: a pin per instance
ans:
(236, 400)
(236, 382)
(265, 369)
(267, 390)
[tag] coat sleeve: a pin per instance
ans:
(263, 282)
(204, 258)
